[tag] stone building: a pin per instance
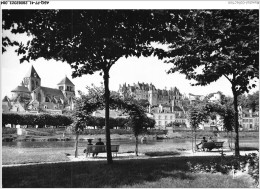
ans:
(146, 91)
(248, 119)
(32, 96)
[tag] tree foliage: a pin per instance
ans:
(219, 43)
(251, 101)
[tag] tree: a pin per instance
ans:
(138, 121)
(85, 105)
(88, 40)
(219, 43)
(196, 115)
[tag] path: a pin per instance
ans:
(127, 156)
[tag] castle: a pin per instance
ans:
(31, 96)
(165, 106)
(171, 97)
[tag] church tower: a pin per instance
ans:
(32, 79)
(67, 87)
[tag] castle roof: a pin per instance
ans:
(65, 81)
(32, 73)
(143, 86)
(50, 91)
(21, 89)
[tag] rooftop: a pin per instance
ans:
(65, 81)
(21, 89)
(51, 91)
(32, 73)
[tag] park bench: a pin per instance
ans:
(212, 145)
(100, 149)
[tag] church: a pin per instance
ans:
(31, 96)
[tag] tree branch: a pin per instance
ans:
(228, 78)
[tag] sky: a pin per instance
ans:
(129, 71)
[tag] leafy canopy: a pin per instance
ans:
(90, 40)
(218, 43)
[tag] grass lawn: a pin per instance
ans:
(156, 173)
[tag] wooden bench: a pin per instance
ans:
(100, 149)
(212, 145)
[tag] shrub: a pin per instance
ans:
(228, 164)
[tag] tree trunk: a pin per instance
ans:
(76, 144)
(107, 96)
(236, 121)
(136, 145)
(195, 140)
(232, 140)
(192, 140)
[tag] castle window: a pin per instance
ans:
(47, 99)
(159, 123)
(61, 87)
(170, 117)
(159, 117)
(45, 106)
(165, 122)
(165, 117)
(68, 88)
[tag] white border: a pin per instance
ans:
(231, 4)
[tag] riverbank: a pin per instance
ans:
(60, 137)
(163, 172)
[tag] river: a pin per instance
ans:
(26, 151)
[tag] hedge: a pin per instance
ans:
(41, 120)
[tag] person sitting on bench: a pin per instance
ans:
(201, 143)
(89, 143)
(98, 143)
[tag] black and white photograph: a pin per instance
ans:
(130, 94)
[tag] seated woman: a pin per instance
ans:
(89, 144)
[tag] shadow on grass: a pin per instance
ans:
(98, 174)
(165, 153)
